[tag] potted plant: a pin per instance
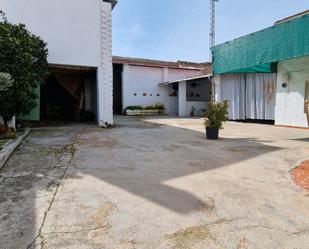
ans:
(216, 114)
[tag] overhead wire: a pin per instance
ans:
(180, 20)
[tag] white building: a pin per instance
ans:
(78, 36)
(265, 75)
(179, 86)
(292, 97)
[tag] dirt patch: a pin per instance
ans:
(93, 140)
(99, 219)
(207, 206)
(243, 244)
(300, 175)
(192, 237)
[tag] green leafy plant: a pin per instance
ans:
(216, 114)
(148, 107)
(133, 107)
(23, 56)
(157, 106)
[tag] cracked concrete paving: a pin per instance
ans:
(155, 183)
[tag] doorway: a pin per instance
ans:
(69, 95)
(117, 88)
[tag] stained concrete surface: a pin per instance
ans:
(155, 183)
(300, 175)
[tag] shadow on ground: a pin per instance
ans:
(140, 158)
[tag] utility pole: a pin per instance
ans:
(212, 33)
(212, 42)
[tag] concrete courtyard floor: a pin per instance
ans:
(155, 183)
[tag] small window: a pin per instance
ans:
(307, 97)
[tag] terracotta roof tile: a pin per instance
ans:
(159, 63)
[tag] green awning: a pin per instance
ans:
(260, 51)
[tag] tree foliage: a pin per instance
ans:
(23, 56)
(5, 81)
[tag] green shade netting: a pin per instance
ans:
(257, 52)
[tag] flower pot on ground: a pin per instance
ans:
(216, 114)
(212, 133)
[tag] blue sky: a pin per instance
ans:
(178, 29)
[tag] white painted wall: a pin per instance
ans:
(290, 100)
(78, 32)
(176, 74)
(71, 27)
(185, 107)
(139, 80)
(199, 107)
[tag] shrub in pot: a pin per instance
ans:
(216, 114)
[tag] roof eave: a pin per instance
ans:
(160, 63)
(113, 2)
(186, 79)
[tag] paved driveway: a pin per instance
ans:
(155, 183)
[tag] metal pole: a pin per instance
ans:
(212, 41)
(212, 33)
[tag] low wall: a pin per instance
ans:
(143, 112)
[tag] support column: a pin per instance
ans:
(105, 71)
(182, 99)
